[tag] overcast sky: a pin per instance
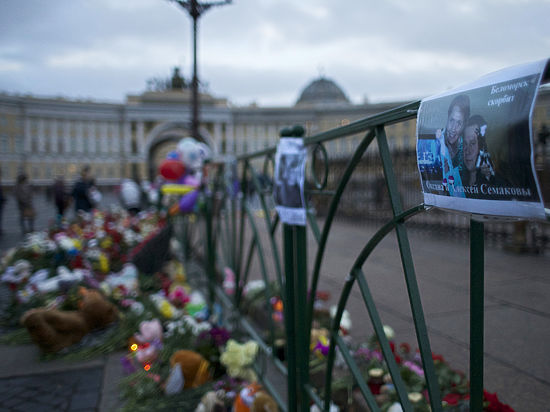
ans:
(266, 51)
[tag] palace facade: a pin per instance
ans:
(47, 137)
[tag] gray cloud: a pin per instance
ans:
(266, 50)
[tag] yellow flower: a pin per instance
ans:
(103, 263)
(106, 243)
(77, 244)
(166, 309)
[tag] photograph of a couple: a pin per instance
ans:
(474, 148)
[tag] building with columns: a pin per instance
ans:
(47, 137)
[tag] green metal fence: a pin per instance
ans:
(241, 226)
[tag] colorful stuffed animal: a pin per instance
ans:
(195, 369)
(253, 398)
(53, 329)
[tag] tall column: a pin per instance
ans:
(92, 138)
(239, 139)
(41, 137)
(67, 136)
(272, 134)
(104, 137)
(127, 139)
(229, 139)
(114, 132)
(217, 138)
(140, 138)
(27, 146)
(251, 138)
(79, 137)
(54, 136)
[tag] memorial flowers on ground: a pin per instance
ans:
(368, 356)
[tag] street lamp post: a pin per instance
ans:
(195, 10)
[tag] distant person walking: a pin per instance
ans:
(130, 196)
(60, 196)
(80, 192)
(23, 195)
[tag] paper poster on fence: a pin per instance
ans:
(475, 145)
(288, 192)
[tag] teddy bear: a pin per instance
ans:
(54, 329)
(195, 369)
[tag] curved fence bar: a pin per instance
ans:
(277, 254)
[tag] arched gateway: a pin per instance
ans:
(164, 137)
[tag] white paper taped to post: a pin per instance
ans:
(288, 192)
(475, 145)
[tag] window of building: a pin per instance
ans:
(34, 144)
(19, 144)
(4, 143)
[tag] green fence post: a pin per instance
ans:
(477, 275)
(295, 248)
(210, 249)
(289, 313)
(302, 330)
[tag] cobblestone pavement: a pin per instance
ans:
(77, 390)
(32, 385)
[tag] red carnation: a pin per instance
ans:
(405, 347)
(494, 404)
(452, 398)
(375, 387)
(437, 358)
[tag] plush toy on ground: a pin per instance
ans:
(253, 398)
(53, 329)
(194, 367)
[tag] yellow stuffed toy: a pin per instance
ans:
(238, 359)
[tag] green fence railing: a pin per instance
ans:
(242, 228)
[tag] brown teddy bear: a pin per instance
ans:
(53, 329)
(195, 369)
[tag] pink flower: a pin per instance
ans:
(178, 296)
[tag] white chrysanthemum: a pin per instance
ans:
(388, 331)
(345, 322)
(254, 286)
(196, 327)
